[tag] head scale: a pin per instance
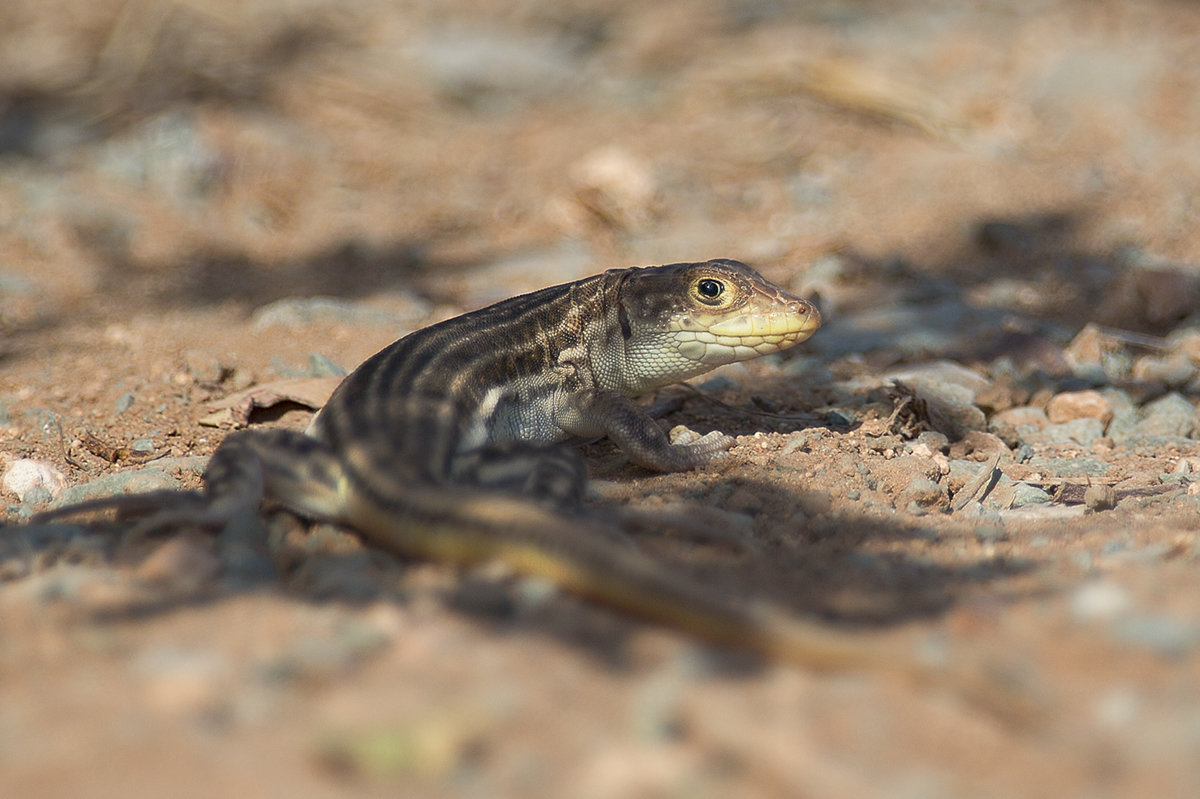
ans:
(681, 320)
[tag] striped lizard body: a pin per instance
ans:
(447, 444)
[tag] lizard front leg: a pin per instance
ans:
(637, 435)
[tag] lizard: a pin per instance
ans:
(452, 444)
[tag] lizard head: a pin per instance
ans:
(681, 320)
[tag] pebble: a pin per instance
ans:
(1099, 498)
(839, 418)
(35, 498)
(1087, 348)
(1125, 412)
(1077, 431)
(926, 494)
(134, 481)
(1170, 415)
(1068, 467)
(124, 402)
(1023, 416)
(948, 391)
(321, 366)
(26, 475)
(1071, 405)
(934, 441)
(1024, 495)
(1174, 371)
(299, 313)
(975, 511)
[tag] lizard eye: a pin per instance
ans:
(710, 289)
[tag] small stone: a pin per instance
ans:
(142, 445)
(916, 509)
(682, 435)
(1080, 431)
(925, 494)
(980, 442)
(947, 391)
(1174, 371)
(1024, 415)
(305, 312)
(1087, 347)
(1068, 467)
(1079, 405)
(1125, 413)
(1171, 415)
(935, 441)
(34, 498)
(124, 402)
(1186, 341)
(27, 474)
(1099, 498)
(975, 511)
(321, 366)
(134, 481)
(839, 418)
(1025, 495)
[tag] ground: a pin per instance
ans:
(985, 459)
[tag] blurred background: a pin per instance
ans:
(189, 153)
(196, 196)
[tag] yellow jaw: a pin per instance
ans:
(753, 332)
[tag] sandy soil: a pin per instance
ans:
(995, 205)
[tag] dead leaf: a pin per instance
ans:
(234, 410)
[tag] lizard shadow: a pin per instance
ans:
(806, 551)
(818, 570)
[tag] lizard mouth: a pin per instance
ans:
(727, 338)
